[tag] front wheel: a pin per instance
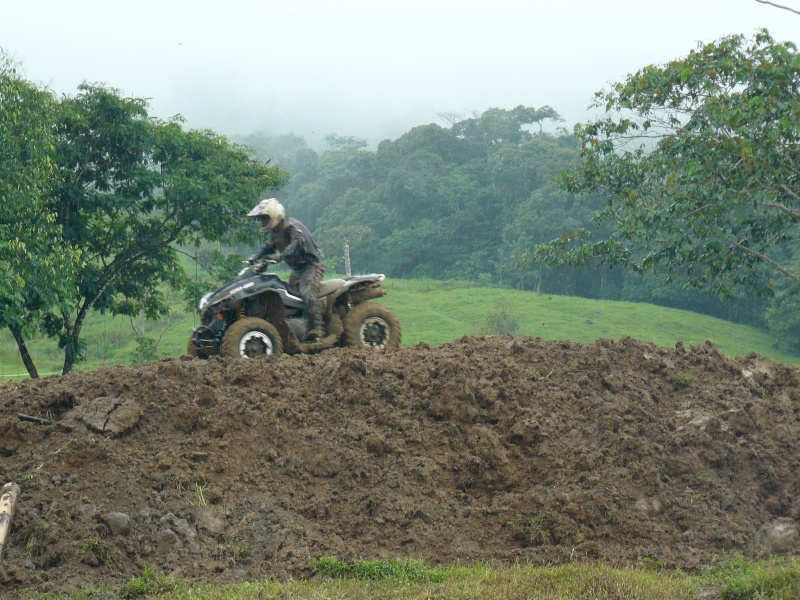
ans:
(192, 351)
(371, 325)
(249, 338)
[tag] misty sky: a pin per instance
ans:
(366, 68)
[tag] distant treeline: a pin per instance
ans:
(463, 200)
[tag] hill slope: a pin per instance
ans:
(482, 449)
(436, 312)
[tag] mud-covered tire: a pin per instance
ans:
(191, 349)
(251, 337)
(372, 325)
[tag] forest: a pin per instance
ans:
(465, 200)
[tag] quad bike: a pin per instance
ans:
(260, 314)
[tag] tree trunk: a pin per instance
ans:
(27, 360)
(70, 357)
(72, 349)
(72, 335)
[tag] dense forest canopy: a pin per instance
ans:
(457, 201)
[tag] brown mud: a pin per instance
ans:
(483, 449)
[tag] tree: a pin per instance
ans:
(352, 220)
(545, 214)
(129, 191)
(496, 126)
(343, 167)
(287, 151)
(35, 269)
(699, 163)
(340, 142)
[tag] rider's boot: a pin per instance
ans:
(316, 321)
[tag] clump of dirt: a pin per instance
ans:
(483, 449)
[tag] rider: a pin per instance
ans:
(289, 240)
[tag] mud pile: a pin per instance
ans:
(483, 449)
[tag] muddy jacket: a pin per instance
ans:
(293, 240)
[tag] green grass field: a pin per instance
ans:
(411, 579)
(436, 312)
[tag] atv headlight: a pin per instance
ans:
(204, 301)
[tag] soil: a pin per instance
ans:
(490, 449)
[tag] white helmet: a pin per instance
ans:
(272, 210)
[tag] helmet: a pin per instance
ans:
(271, 212)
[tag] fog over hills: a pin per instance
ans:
(361, 68)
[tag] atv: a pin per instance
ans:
(258, 313)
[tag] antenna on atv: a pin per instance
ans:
(347, 269)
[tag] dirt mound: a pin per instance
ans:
(478, 450)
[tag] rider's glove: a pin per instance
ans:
(277, 257)
(253, 258)
(259, 268)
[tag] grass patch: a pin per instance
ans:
(377, 570)
(681, 381)
(151, 583)
(410, 579)
(95, 547)
(199, 491)
(498, 321)
(777, 578)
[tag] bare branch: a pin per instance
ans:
(789, 191)
(451, 118)
(170, 323)
(136, 329)
(765, 258)
(783, 208)
(779, 6)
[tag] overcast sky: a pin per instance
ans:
(368, 68)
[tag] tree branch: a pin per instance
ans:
(135, 329)
(783, 208)
(789, 192)
(779, 6)
(170, 323)
(764, 258)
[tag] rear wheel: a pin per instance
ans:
(251, 337)
(372, 325)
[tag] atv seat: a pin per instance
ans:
(329, 286)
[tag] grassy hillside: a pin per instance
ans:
(437, 312)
